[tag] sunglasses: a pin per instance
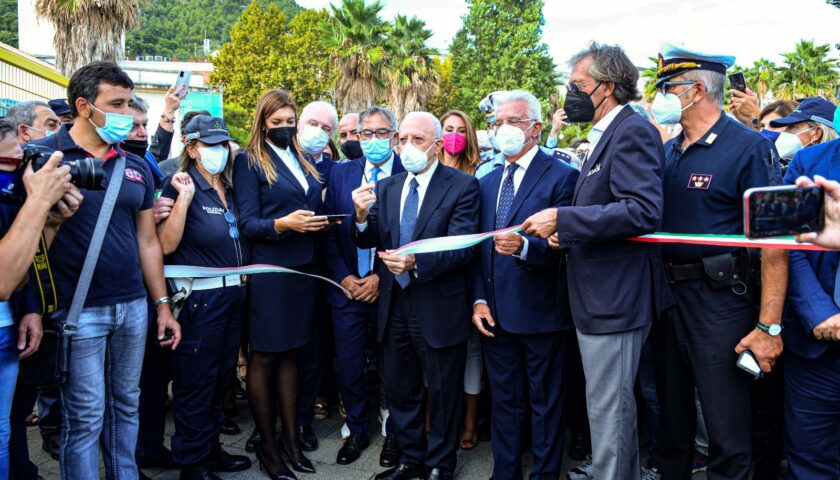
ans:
(231, 220)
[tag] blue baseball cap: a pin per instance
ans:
(814, 109)
(59, 106)
(207, 129)
(676, 58)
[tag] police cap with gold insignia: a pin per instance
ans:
(675, 59)
(207, 129)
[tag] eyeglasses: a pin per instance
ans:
(382, 134)
(665, 86)
(231, 220)
(512, 121)
(577, 88)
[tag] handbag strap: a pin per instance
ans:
(114, 183)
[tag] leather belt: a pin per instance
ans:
(213, 282)
(697, 271)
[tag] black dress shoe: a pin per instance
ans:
(253, 441)
(52, 446)
(436, 474)
(222, 461)
(352, 448)
(230, 427)
(286, 474)
(579, 446)
(198, 472)
(308, 440)
(390, 454)
(161, 459)
(302, 466)
(402, 472)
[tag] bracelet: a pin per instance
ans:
(168, 119)
(160, 301)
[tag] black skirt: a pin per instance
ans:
(281, 310)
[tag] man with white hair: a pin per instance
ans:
(318, 121)
(423, 298)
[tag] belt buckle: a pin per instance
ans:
(232, 280)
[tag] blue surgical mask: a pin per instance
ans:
(116, 128)
(769, 134)
(667, 109)
(376, 150)
(413, 159)
(214, 158)
(313, 139)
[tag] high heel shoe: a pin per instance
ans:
(303, 466)
(287, 475)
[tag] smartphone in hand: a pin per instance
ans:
(737, 82)
(183, 80)
(783, 211)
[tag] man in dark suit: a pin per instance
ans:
(355, 269)
(423, 305)
(619, 286)
(527, 333)
(812, 339)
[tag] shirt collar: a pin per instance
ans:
(423, 179)
(199, 179)
(708, 138)
(599, 128)
(526, 159)
(386, 167)
(65, 142)
(283, 154)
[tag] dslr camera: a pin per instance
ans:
(85, 173)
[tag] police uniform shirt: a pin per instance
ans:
(117, 277)
(705, 185)
(206, 241)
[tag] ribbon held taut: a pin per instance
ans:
(187, 271)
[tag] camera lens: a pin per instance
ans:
(87, 173)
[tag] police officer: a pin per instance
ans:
(202, 231)
(708, 167)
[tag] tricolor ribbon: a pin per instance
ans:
(787, 243)
(187, 271)
(444, 244)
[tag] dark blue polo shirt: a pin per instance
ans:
(117, 277)
(206, 241)
(705, 185)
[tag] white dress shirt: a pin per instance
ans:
(292, 164)
(599, 128)
(384, 170)
(423, 180)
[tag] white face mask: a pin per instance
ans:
(789, 143)
(413, 159)
(214, 158)
(313, 139)
(667, 109)
(510, 139)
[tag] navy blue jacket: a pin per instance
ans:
(520, 293)
(340, 253)
(440, 290)
(616, 285)
(810, 296)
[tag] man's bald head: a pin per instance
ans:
(348, 127)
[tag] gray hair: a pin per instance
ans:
(427, 116)
(321, 105)
(713, 82)
(24, 113)
(138, 103)
(378, 111)
(534, 107)
(611, 64)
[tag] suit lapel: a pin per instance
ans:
(488, 203)
(599, 148)
(532, 176)
(284, 171)
(394, 192)
(434, 195)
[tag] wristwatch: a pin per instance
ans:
(773, 329)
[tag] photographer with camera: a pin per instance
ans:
(111, 327)
(21, 227)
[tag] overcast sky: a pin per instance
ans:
(748, 29)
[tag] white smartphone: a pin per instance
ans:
(748, 363)
(183, 80)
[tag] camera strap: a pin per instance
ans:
(114, 182)
(43, 279)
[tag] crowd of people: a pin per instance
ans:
(561, 323)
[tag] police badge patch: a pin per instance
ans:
(699, 181)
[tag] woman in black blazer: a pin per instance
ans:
(278, 194)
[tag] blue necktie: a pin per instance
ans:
(505, 198)
(366, 254)
(407, 223)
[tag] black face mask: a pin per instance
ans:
(281, 137)
(352, 149)
(137, 147)
(579, 107)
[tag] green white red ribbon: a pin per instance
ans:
(444, 244)
(787, 243)
(187, 271)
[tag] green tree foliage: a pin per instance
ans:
(441, 100)
(412, 78)
(808, 71)
(266, 51)
(761, 76)
(176, 28)
(497, 48)
(8, 22)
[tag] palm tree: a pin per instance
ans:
(412, 76)
(761, 76)
(807, 72)
(650, 75)
(355, 36)
(88, 30)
